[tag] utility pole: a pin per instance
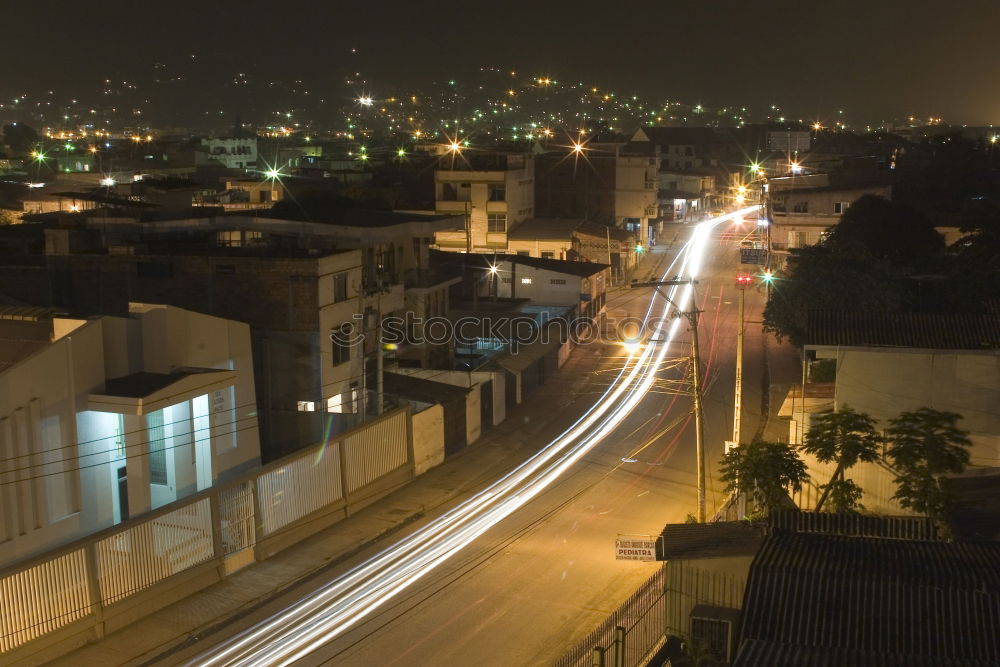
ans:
(741, 281)
(699, 415)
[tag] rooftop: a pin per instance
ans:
(906, 330)
(871, 600)
(680, 541)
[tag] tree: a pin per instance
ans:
(887, 230)
(19, 137)
(845, 437)
(829, 277)
(925, 445)
(763, 471)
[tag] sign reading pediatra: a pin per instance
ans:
(753, 255)
(634, 548)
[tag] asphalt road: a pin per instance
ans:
(540, 580)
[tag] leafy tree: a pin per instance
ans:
(925, 445)
(887, 230)
(829, 277)
(19, 137)
(844, 495)
(763, 471)
(845, 437)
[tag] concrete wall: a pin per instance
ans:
(428, 439)
(884, 382)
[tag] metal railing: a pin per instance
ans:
(80, 583)
(640, 616)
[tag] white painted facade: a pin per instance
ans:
(233, 152)
(113, 417)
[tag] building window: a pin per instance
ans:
(525, 281)
(524, 253)
(548, 255)
(497, 222)
(840, 206)
(229, 238)
(157, 448)
(341, 351)
(688, 150)
(497, 192)
(340, 287)
(306, 406)
(800, 207)
(716, 635)
(558, 281)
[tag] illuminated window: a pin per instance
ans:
(525, 281)
(306, 406)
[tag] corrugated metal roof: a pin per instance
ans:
(916, 330)
(773, 654)
(855, 525)
(884, 599)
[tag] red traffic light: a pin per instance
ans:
(743, 280)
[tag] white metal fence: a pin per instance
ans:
(75, 583)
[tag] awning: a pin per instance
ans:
(143, 393)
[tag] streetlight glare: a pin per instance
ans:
(272, 173)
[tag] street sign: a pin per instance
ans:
(632, 548)
(753, 255)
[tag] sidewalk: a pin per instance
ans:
(527, 428)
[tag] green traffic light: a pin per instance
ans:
(768, 277)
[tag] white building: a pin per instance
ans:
(233, 152)
(883, 364)
(553, 282)
(108, 418)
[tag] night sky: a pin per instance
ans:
(878, 59)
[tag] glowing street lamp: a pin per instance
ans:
(273, 173)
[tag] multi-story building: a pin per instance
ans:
(803, 208)
(610, 184)
(493, 193)
(107, 418)
(314, 295)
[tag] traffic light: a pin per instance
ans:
(638, 248)
(768, 276)
(743, 280)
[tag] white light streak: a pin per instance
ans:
(344, 602)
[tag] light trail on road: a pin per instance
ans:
(340, 604)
